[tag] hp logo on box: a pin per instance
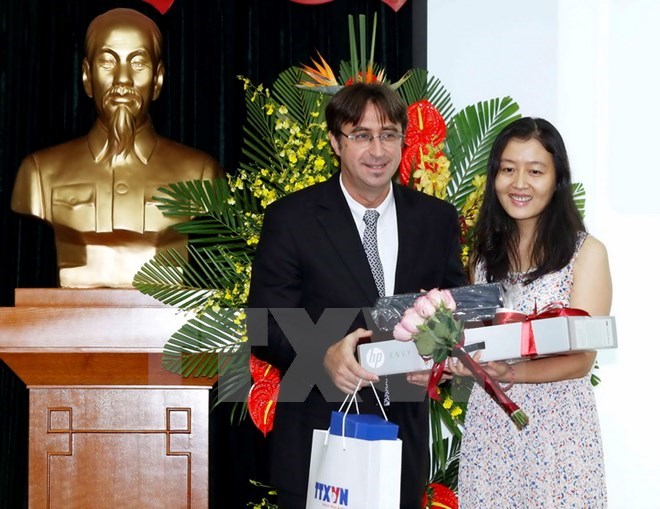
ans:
(375, 357)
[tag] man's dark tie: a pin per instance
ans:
(370, 243)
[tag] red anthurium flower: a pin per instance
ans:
(411, 158)
(409, 161)
(425, 124)
(425, 127)
(440, 497)
(262, 370)
(262, 398)
(261, 403)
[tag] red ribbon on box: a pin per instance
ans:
(527, 341)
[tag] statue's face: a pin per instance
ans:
(120, 71)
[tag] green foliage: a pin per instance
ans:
(284, 131)
(218, 255)
(579, 196)
(420, 85)
(470, 134)
(285, 148)
(445, 450)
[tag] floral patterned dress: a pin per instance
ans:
(557, 460)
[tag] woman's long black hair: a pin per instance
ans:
(496, 233)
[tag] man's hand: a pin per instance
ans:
(340, 363)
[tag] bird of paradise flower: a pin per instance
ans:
(359, 69)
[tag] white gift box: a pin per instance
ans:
(556, 335)
(552, 336)
(391, 357)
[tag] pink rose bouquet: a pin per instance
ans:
(430, 322)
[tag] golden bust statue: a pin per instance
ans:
(97, 191)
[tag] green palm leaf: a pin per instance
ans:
(218, 251)
(234, 378)
(579, 196)
(444, 450)
(300, 102)
(258, 133)
(169, 278)
(189, 198)
(419, 85)
(209, 345)
(359, 63)
(448, 475)
(204, 231)
(205, 344)
(470, 135)
(188, 284)
(221, 209)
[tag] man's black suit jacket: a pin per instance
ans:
(310, 256)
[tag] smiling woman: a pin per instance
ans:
(525, 184)
(530, 237)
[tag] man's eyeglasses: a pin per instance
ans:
(387, 138)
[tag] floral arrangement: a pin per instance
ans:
(286, 148)
(445, 153)
(430, 322)
(426, 167)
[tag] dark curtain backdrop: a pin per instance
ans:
(207, 44)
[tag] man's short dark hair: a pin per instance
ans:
(348, 105)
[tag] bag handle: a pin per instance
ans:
(353, 399)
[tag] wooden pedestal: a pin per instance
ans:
(109, 428)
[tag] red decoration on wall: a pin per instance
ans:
(161, 5)
(164, 5)
(395, 4)
(311, 2)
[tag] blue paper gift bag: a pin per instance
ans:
(364, 426)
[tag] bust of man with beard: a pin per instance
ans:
(97, 191)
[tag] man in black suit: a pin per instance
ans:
(311, 256)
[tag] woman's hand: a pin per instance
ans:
(422, 377)
(498, 370)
